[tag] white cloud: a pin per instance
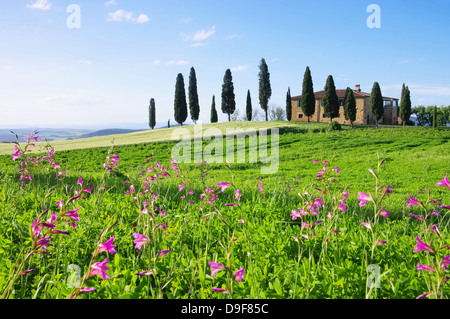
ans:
(40, 5)
(198, 44)
(85, 62)
(156, 62)
(404, 62)
(234, 36)
(239, 68)
(111, 3)
(202, 35)
(186, 20)
(143, 18)
(179, 62)
(429, 89)
(122, 15)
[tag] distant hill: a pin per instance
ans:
(111, 131)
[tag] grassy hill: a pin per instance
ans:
(190, 220)
(151, 136)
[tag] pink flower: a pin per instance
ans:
(16, 154)
(224, 186)
(425, 295)
(191, 192)
(60, 204)
(444, 183)
(413, 202)
(445, 261)
(163, 252)
(100, 269)
(342, 208)
(296, 239)
(145, 273)
(316, 161)
(224, 291)
(424, 267)
(363, 199)
(108, 246)
(417, 216)
(232, 204)
(26, 272)
(180, 187)
(86, 289)
(435, 229)
(238, 195)
(140, 240)
(305, 225)
(216, 267)
(80, 182)
(367, 225)
(239, 275)
(381, 242)
(35, 228)
(72, 214)
(384, 213)
(336, 169)
(43, 242)
(422, 246)
(318, 202)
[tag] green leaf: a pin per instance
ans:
(277, 286)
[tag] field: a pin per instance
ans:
(95, 220)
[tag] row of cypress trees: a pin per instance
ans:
(228, 101)
(228, 105)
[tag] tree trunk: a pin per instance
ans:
(267, 118)
(308, 120)
(229, 117)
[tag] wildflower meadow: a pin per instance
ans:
(353, 214)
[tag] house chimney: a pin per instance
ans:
(358, 88)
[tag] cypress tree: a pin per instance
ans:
(214, 118)
(152, 111)
(180, 106)
(376, 102)
(308, 103)
(228, 97)
(194, 106)
(288, 105)
(405, 105)
(330, 100)
(265, 91)
(350, 106)
(248, 108)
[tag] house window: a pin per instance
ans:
(323, 115)
(299, 103)
(341, 102)
(300, 116)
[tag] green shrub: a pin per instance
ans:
(334, 126)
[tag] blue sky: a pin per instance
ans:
(104, 73)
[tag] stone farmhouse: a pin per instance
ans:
(363, 114)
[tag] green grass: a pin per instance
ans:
(275, 265)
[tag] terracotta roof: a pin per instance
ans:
(341, 95)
